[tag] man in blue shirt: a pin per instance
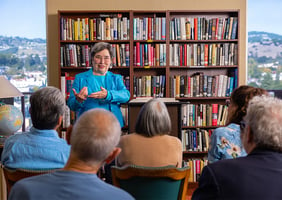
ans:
(94, 138)
(40, 147)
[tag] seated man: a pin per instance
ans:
(40, 147)
(94, 138)
(259, 174)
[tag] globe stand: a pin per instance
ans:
(3, 139)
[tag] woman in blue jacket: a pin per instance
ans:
(97, 87)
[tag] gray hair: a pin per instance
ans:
(264, 116)
(153, 119)
(46, 106)
(94, 136)
(100, 46)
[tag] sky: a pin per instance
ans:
(265, 15)
(27, 18)
(23, 18)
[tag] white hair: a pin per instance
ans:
(264, 116)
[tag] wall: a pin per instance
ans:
(52, 7)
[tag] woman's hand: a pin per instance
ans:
(82, 95)
(99, 95)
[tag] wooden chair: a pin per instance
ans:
(14, 175)
(150, 183)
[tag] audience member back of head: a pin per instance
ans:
(93, 143)
(151, 145)
(258, 175)
(40, 147)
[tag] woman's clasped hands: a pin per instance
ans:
(83, 94)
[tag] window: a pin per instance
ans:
(265, 44)
(23, 47)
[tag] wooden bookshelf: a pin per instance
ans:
(158, 48)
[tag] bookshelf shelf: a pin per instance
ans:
(203, 67)
(201, 98)
(202, 153)
(150, 67)
(202, 41)
(66, 68)
(201, 127)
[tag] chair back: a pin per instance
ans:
(13, 175)
(150, 183)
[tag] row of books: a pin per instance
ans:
(126, 80)
(149, 28)
(97, 28)
(120, 55)
(124, 112)
(78, 55)
(68, 117)
(201, 85)
(196, 166)
(149, 54)
(66, 84)
(149, 86)
(75, 55)
(195, 140)
(212, 54)
(203, 28)
(63, 134)
(204, 114)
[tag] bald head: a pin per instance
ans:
(95, 134)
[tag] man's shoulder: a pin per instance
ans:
(16, 137)
(43, 185)
(225, 165)
(32, 187)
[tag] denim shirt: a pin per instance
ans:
(225, 143)
(36, 149)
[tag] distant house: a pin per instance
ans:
(269, 65)
(3, 69)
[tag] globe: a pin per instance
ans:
(11, 119)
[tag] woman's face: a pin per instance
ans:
(101, 62)
(231, 110)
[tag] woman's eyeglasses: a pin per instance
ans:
(243, 125)
(105, 58)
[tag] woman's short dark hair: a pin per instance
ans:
(240, 97)
(153, 119)
(100, 46)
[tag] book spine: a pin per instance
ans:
(214, 114)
